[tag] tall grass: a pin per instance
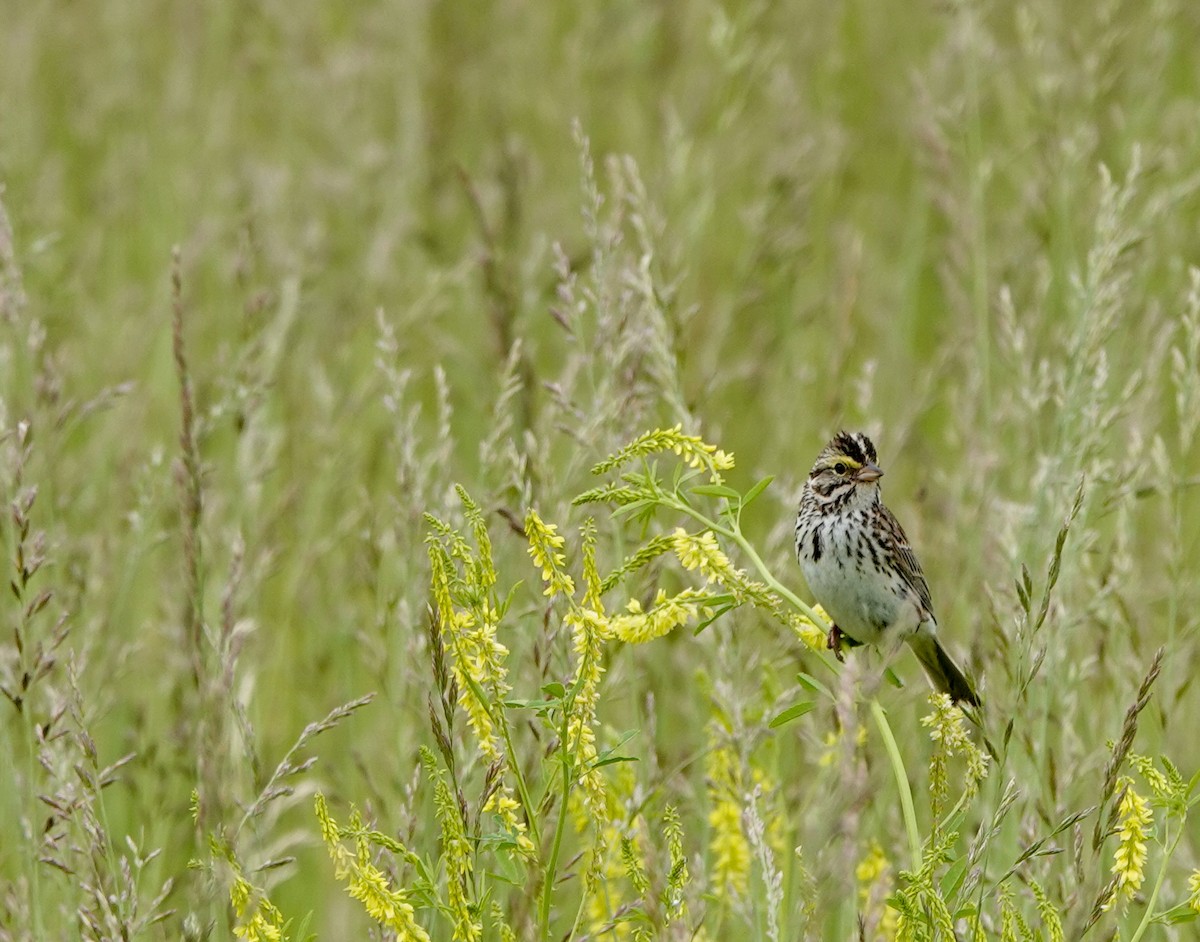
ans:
(270, 497)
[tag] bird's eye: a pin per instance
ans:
(839, 468)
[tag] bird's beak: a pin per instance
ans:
(870, 473)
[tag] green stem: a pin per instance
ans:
(552, 863)
(907, 808)
(735, 534)
(1162, 873)
(500, 719)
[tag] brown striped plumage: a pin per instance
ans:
(860, 566)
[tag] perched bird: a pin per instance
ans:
(860, 567)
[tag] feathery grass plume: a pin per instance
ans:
(1134, 819)
(37, 633)
(108, 878)
(227, 836)
(12, 291)
(728, 844)
(364, 881)
(188, 474)
(772, 876)
(1121, 749)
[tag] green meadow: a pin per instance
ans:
(403, 413)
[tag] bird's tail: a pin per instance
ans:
(943, 672)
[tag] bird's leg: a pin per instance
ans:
(834, 643)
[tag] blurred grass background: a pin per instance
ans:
(883, 216)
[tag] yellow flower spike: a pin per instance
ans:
(702, 552)
(364, 881)
(1194, 890)
(666, 614)
(591, 575)
(1129, 861)
(729, 847)
(873, 866)
(259, 920)
(728, 844)
(544, 546)
(589, 630)
(691, 448)
(947, 729)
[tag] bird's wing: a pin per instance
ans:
(906, 559)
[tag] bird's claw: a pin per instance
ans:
(835, 643)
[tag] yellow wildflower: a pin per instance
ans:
(667, 614)
(811, 635)
(259, 920)
(728, 843)
(544, 546)
(364, 881)
(872, 867)
(874, 875)
(730, 849)
(1129, 861)
(701, 552)
(691, 448)
(948, 731)
(1194, 890)
(589, 630)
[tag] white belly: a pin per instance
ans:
(861, 602)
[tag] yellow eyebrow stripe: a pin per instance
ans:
(843, 459)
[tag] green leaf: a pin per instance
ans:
(716, 490)
(508, 599)
(809, 681)
(727, 604)
(554, 689)
(893, 679)
(1181, 913)
(613, 759)
(757, 489)
(953, 878)
(791, 713)
(624, 738)
(532, 704)
(627, 509)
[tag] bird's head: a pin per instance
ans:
(846, 469)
